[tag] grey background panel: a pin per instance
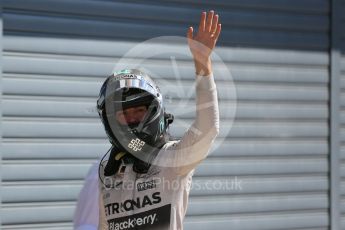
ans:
(243, 90)
(62, 148)
(340, 22)
(41, 191)
(57, 53)
(45, 106)
(56, 226)
(121, 10)
(52, 20)
(104, 48)
(342, 144)
(262, 222)
(305, 6)
(243, 203)
(273, 220)
(76, 169)
(37, 213)
(55, 190)
(52, 148)
(1, 93)
(91, 128)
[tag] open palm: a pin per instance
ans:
(202, 44)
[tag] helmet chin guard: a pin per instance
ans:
(130, 88)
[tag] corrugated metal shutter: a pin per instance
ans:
(340, 35)
(56, 54)
(342, 150)
(0, 106)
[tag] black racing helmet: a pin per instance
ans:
(130, 88)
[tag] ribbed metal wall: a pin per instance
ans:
(342, 152)
(0, 106)
(342, 142)
(57, 53)
(341, 64)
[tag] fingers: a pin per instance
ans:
(202, 22)
(219, 28)
(190, 33)
(214, 24)
(209, 21)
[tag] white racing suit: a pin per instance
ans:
(158, 199)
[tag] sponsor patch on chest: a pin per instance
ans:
(155, 219)
(133, 204)
(142, 186)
